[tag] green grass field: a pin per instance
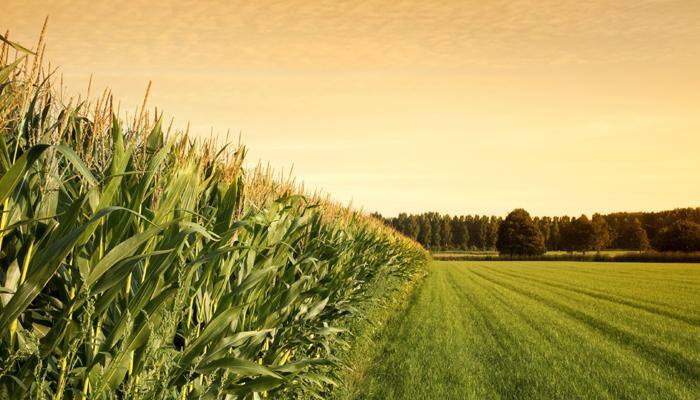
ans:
(539, 330)
(493, 253)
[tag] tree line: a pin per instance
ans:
(672, 230)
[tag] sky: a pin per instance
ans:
(461, 107)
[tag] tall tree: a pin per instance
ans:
(682, 235)
(492, 232)
(634, 236)
(412, 227)
(460, 234)
(436, 228)
(477, 232)
(518, 235)
(446, 225)
(425, 234)
(579, 235)
(601, 231)
(554, 235)
(544, 225)
(616, 230)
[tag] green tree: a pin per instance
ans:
(579, 235)
(682, 236)
(635, 236)
(601, 229)
(554, 235)
(412, 227)
(518, 235)
(436, 228)
(377, 215)
(446, 228)
(544, 225)
(425, 234)
(400, 222)
(460, 234)
(492, 232)
(477, 232)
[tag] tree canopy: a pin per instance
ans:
(621, 230)
(579, 235)
(518, 235)
(680, 236)
(634, 235)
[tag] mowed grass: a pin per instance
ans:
(494, 253)
(533, 330)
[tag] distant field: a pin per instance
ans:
(543, 330)
(464, 253)
(602, 252)
(479, 253)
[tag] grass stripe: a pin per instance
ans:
(682, 367)
(610, 298)
(474, 332)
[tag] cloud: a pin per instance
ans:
(376, 34)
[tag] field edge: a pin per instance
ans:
(387, 301)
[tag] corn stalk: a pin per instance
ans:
(140, 264)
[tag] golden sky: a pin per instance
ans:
(471, 106)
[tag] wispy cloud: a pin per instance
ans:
(368, 33)
(475, 103)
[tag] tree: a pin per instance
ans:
(425, 234)
(492, 232)
(436, 224)
(399, 222)
(518, 235)
(634, 237)
(622, 230)
(579, 235)
(412, 227)
(543, 224)
(477, 232)
(601, 229)
(460, 234)
(554, 236)
(377, 215)
(446, 227)
(483, 232)
(682, 235)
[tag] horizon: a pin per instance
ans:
(456, 107)
(589, 215)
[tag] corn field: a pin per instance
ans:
(137, 262)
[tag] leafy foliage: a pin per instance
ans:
(634, 236)
(136, 263)
(631, 231)
(440, 232)
(579, 235)
(682, 236)
(518, 235)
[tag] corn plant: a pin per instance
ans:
(136, 262)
